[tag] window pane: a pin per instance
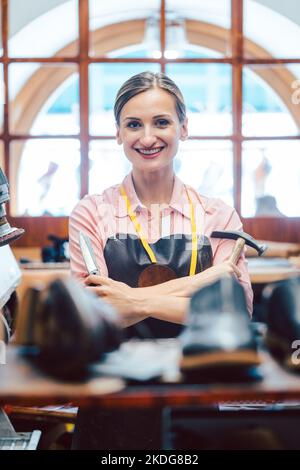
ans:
(207, 92)
(272, 28)
(117, 26)
(105, 81)
(45, 176)
(271, 100)
(207, 167)
(44, 99)
(42, 29)
(197, 29)
(271, 178)
(108, 165)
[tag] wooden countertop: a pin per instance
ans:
(24, 385)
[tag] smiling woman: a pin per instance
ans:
(151, 233)
(148, 206)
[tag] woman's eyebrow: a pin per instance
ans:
(128, 118)
(131, 117)
(161, 115)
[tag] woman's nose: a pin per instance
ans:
(148, 138)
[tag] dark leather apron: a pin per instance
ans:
(126, 260)
(129, 259)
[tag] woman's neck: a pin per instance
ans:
(155, 187)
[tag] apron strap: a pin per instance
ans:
(144, 241)
(137, 226)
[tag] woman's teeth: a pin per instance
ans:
(150, 151)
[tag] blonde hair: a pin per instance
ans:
(146, 81)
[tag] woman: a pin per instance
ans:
(151, 233)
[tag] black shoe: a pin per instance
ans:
(283, 334)
(68, 326)
(218, 336)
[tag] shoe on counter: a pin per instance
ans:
(283, 333)
(66, 327)
(218, 336)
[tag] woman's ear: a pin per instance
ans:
(118, 136)
(184, 130)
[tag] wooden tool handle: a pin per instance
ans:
(236, 253)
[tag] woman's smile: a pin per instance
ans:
(150, 153)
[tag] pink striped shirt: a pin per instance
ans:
(104, 215)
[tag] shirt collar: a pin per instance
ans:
(179, 199)
(121, 208)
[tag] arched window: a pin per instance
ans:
(242, 95)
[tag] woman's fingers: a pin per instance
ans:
(236, 271)
(225, 268)
(100, 291)
(96, 280)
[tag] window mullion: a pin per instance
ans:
(237, 95)
(84, 93)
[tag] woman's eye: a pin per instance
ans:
(162, 122)
(133, 124)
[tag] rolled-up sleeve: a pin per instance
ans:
(85, 218)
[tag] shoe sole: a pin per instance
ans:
(246, 358)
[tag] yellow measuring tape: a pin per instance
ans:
(144, 241)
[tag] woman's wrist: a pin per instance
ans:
(138, 302)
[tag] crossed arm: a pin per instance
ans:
(167, 301)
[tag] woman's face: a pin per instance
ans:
(150, 130)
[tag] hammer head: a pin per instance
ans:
(234, 235)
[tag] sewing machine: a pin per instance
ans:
(10, 274)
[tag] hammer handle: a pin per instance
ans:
(236, 253)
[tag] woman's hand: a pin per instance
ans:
(212, 274)
(125, 299)
(95, 280)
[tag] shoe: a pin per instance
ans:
(283, 333)
(67, 326)
(218, 336)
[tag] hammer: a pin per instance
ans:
(242, 239)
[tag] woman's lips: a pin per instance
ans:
(151, 153)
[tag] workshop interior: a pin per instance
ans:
(72, 366)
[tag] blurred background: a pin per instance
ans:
(237, 63)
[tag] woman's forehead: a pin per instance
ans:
(154, 101)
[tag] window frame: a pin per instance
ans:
(287, 229)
